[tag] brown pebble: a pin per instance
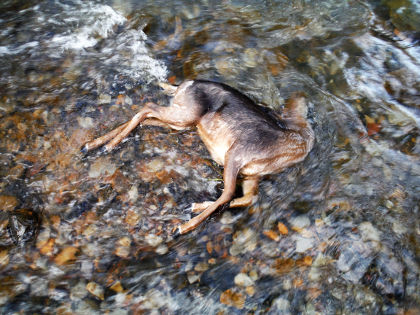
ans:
(96, 290)
(282, 228)
(48, 247)
(8, 203)
(283, 265)
(66, 255)
(272, 235)
(209, 247)
(234, 299)
(117, 287)
(4, 258)
(250, 290)
(132, 218)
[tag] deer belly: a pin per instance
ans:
(217, 140)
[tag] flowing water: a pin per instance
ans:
(336, 234)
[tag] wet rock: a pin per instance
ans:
(155, 165)
(86, 269)
(102, 166)
(47, 248)
(226, 67)
(243, 241)
(4, 258)
(96, 290)
(85, 122)
(369, 233)
(300, 222)
(153, 240)
(314, 274)
(154, 299)
(81, 207)
(243, 280)
(23, 226)
(231, 298)
(250, 57)
(39, 286)
(117, 287)
(280, 306)
(193, 277)
(398, 228)
(227, 218)
(365, 298)
(66, 255)
(354, 260)
(404, 14)
(196, 63)
(133, 193)
(201, 267)
(250, 291)
(86, 307)
(303, 244)
(123, 247)
(104, 99)
(79, 291)
(272, 235)
(283, 265)
(282, 228)
(90, 231)
(8, 203)
(162, 249)
(385, 275)
(9, 288)
(128, 100)
(132, 217)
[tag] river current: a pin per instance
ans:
(338, 233)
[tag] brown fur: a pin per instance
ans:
(245, 138)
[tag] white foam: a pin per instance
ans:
(95, 20)
(130, 56)
(81, 25)
(8, 50)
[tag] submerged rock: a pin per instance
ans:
(153, 240)
(102, 166)
(243, 280)
(95, 289)
(303, 244)
(243, 241)
(354, 260)
(8, 203)
(300, 222)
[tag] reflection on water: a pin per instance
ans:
(338, 233)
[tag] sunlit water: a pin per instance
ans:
(336, 234)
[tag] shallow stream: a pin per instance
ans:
(337, 234)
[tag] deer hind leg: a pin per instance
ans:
(250, 190)
(118, 134)
(151, 114)
(103, 139)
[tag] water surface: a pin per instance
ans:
(336, 234)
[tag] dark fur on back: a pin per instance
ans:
(214, 97)
(251, 123)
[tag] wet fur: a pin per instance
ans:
(244, 137)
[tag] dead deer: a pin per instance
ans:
(244, 137)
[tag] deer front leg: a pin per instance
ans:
(229, 177)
